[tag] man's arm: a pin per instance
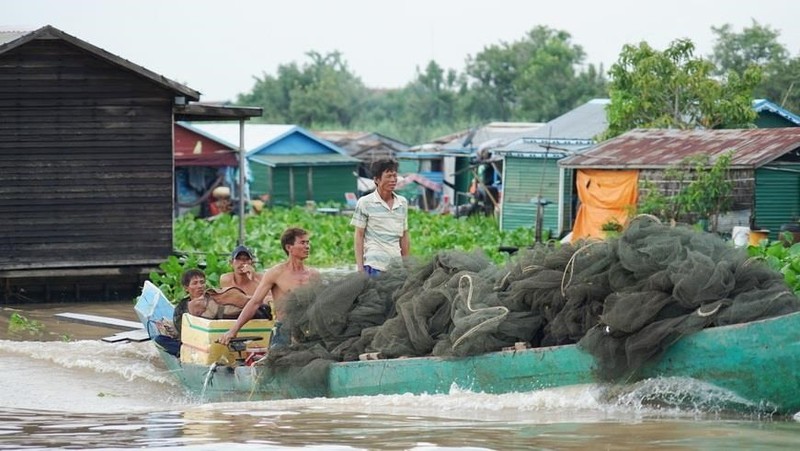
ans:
(359, 246)
(249, 310)
(405, 244)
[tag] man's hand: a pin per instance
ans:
(248, 271)
(225, 338)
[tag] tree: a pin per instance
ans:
(534, 79)
(755, 46)
(673, 89)
(758, 46)
(321, 92)
(709, 194)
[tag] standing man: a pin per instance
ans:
(381, 222)
(279, 280)
(244, 275)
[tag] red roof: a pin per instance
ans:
(661, 148)
(194, 149)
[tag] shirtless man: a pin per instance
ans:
(244, 275)
(280, 280)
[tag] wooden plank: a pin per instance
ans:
(100, 321)
(131, 335)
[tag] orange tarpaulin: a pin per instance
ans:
(604, 194)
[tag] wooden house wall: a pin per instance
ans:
(85, 161)
(743, 185)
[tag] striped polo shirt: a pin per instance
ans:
(383, 227)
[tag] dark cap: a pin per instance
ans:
(241, 250)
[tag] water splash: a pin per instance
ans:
(132, 361)
(207, 380)
(683, 395)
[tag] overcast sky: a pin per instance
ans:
(217, 47)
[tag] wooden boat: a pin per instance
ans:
(757, 362)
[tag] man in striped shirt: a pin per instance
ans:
(381, 222)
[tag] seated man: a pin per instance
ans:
(215, 304)
(205, 303)
(244, 275)
(194, 283)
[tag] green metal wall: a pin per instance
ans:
(262, 176)
(329, 183)
(463, 178)
(772, 121)
(570, 197)
(524, 179)
(777, 197)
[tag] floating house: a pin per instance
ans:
(86, 167)
(289, 165)
(765, 172)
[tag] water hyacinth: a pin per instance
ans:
(207, 243)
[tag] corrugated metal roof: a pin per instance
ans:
(658, 148)
(574, 131)
(364, 145)
(492, 135)
(760, 105)
(584, 122)
(318, 159)
(255, 135)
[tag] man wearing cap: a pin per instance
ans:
(244, 275)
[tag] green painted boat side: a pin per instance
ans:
(758, 361)
(497, 372)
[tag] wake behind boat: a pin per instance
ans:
(657, 302)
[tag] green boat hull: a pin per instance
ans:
(758, 361)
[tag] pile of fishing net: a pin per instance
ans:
(625, 301)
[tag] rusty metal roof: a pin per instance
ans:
(660, 148)
(366, 146)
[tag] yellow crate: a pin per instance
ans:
(199, 336)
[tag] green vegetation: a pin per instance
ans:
(537, 78)
(534, 79)
(674, 89)
(207, 244)
(18, 324)
(785, 260)
(693, 189)
(758, 46)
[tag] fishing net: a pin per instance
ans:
(624, 300)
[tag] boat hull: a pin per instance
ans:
(757, 361)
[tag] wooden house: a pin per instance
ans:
(531, 170)
(202, 163)
(765, 170)
(531, 174)
(290, 166)
(85, 166)
(468, 166)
